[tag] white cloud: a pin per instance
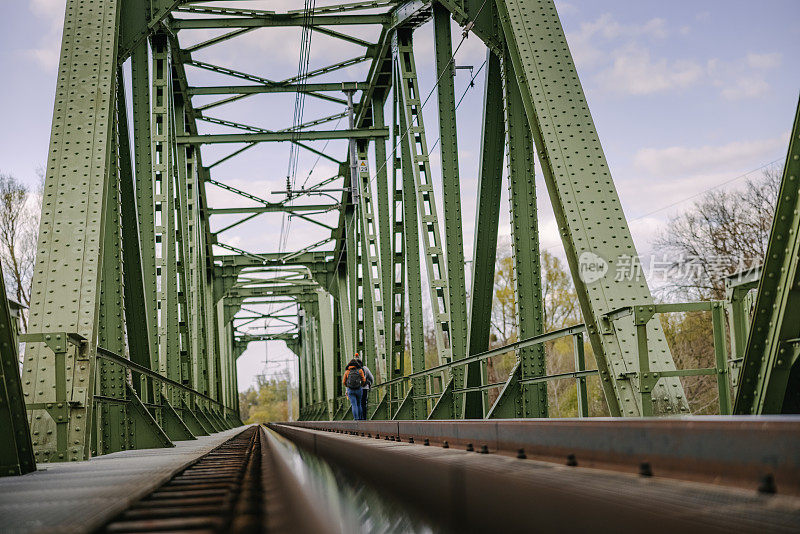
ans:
(745, 87)
(763, 61)
(584, 44)
(566, 8)
(635, 72)
(744, 77)
(684, 161)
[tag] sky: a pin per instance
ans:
(686, 96)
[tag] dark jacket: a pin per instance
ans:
(353, 369)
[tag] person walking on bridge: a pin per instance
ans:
(369, 380)
(354, 381)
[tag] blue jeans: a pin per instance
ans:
(355, 401)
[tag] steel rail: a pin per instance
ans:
(471, 492)
(737, 451)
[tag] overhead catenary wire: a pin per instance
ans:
(297, 118)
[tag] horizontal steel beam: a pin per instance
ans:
(278, 20)
(277, 88)
(272, 208)
(238, 261)
(266, 137)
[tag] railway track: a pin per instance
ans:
(453, 477)
(220, 492)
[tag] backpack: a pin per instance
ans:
(355, 378)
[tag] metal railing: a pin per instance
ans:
(394, 392)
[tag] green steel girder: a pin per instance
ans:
(170, 360)
(137, 320)
(248, 127)
(405, 211)
(587, 208)
(76, 189)
(451, 196)
(277, 88)
(348, 6)
(371, 266)
(525, 251)
(16, 449)
(305, 135)
(102, 217)
(140, 90)
(410, 100)
(273, 207)
(769, 380)
(278, 20)
(487, 220)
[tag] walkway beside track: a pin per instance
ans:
(81, 496)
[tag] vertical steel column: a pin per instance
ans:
(316, 361)
(66, 280)
(451, 184)
(371, 267)
(327, 367)
(209, 298)
(110, 419)
(195, 270)
(137, 320)
(525, 247)
(410, 101)
(384, 233)
(412, 255)
(451, 200)
(398, 251)
(167, 279)
(769, 380)
(145, 204)
(16, 449)
(487, 219)
(185, 170)
(593, 228)
(580, 382)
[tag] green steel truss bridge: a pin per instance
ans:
(139, 310)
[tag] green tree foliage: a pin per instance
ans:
(561, 309)
(691, 341)
(267, 400)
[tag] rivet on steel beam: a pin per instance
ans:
(767, 484)
(645, 469)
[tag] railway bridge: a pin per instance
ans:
(124, 416)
